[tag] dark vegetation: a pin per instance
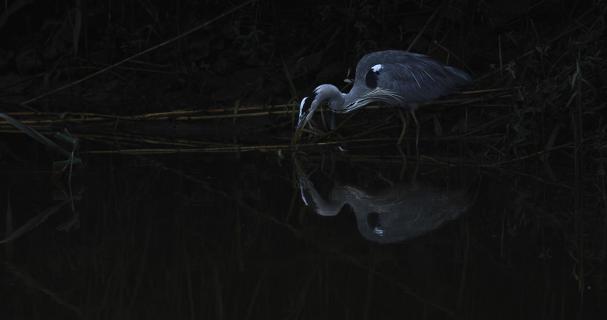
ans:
(92, 79)
(538, 68)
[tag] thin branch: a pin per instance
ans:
(139, 54)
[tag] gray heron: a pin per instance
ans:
(392, 77)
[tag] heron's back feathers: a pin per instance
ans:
(463, 77)
(411, 77)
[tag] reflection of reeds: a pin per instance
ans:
(30, 282)
(227, 256)
(34, 222)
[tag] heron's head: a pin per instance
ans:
(307, 107)
(325, 93)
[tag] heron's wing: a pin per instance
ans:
(417, 80)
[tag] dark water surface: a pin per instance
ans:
(231, 237)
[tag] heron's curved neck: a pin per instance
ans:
(331, 95)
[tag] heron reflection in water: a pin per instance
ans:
(396, 213)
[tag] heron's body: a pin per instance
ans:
(392, 77)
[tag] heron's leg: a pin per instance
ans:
(332, 121)
(416, 132)
(404, 129)
(403, 168)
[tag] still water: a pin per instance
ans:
(325, 235)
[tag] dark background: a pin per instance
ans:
(225, 235)
(255, 53)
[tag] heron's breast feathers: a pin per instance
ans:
(377, 95)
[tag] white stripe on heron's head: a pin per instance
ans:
(301, 106)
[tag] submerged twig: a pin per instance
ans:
(34, 222)
(29, 281)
